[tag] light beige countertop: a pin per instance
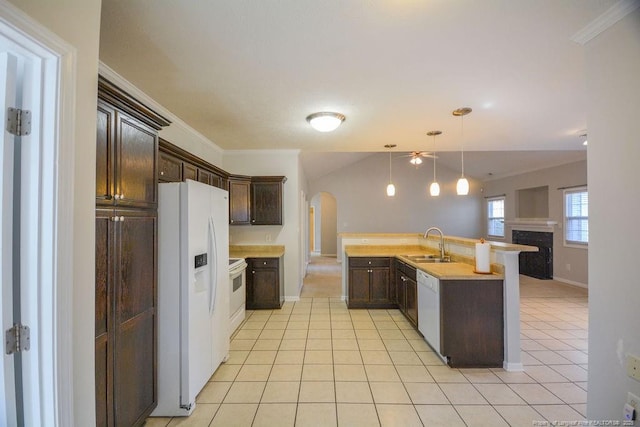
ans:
(463, 241)
(460, 269)
(256, 251)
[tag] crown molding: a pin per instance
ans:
(108, 73)
(603, 22)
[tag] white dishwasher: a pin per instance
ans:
(429, 309)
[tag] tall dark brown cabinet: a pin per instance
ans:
(126, 258)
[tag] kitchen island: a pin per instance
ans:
(504, 266)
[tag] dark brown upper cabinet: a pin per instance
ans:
(239, 200)
(266, 200)
(126, 147)
(176, 164)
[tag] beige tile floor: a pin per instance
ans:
(317, 363)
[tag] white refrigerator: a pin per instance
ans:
(193, 291)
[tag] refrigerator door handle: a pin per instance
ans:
(213, 266)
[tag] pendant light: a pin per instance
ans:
(462, 187)
(434, 188)
(391, 189)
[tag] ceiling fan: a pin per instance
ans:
(416, 157)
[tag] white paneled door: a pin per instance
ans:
(36, 150)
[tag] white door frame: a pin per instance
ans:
(48, 183)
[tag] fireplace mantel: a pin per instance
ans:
(532, 224)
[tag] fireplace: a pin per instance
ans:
(535, 264)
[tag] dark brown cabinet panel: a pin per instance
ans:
(205, 177)
(169, 168)
(359, 287)
(104, 331)
(266, 200)
(189, 171)
(411, 298)
(472, 323)
(407, 291)
(136, 177)
(105, 153)
(265, 283)
(369, 283)
(239, 201)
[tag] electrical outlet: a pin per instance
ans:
(633, 366)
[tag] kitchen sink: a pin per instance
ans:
(427, 259)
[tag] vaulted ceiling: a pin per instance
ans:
(246, 73)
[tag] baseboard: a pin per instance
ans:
(571, 282)
(512, 367)
(291, 299)
(335, 255)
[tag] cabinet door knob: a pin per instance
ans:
(369, 262)
(122, 197)
(116, 196)
(264, 263)
(121, 219)
(231, 221)
(253, 272)
(253, 220)
(161, 172)
(115, 219)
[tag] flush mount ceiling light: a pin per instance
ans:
(434, 188)
(325, 121)
(462, 187)
(391, 189)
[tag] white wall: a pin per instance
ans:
(363, 206)
(613, 89)
(329, 235)
(556, 177)
(274, 163)
(82, 32)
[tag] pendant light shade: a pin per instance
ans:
(434, 188)
(391, 189)
(462, 187)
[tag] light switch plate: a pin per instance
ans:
(633, 366)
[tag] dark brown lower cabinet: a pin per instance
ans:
(370, 283)
(265, 283)
(407, 291)
(126, 323)
(472, 323)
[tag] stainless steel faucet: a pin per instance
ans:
(426, 233)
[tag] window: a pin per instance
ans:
(495, 217)
(576, 217)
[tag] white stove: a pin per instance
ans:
(238, 296)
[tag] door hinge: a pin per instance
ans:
(18, 121)
(17, 339)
